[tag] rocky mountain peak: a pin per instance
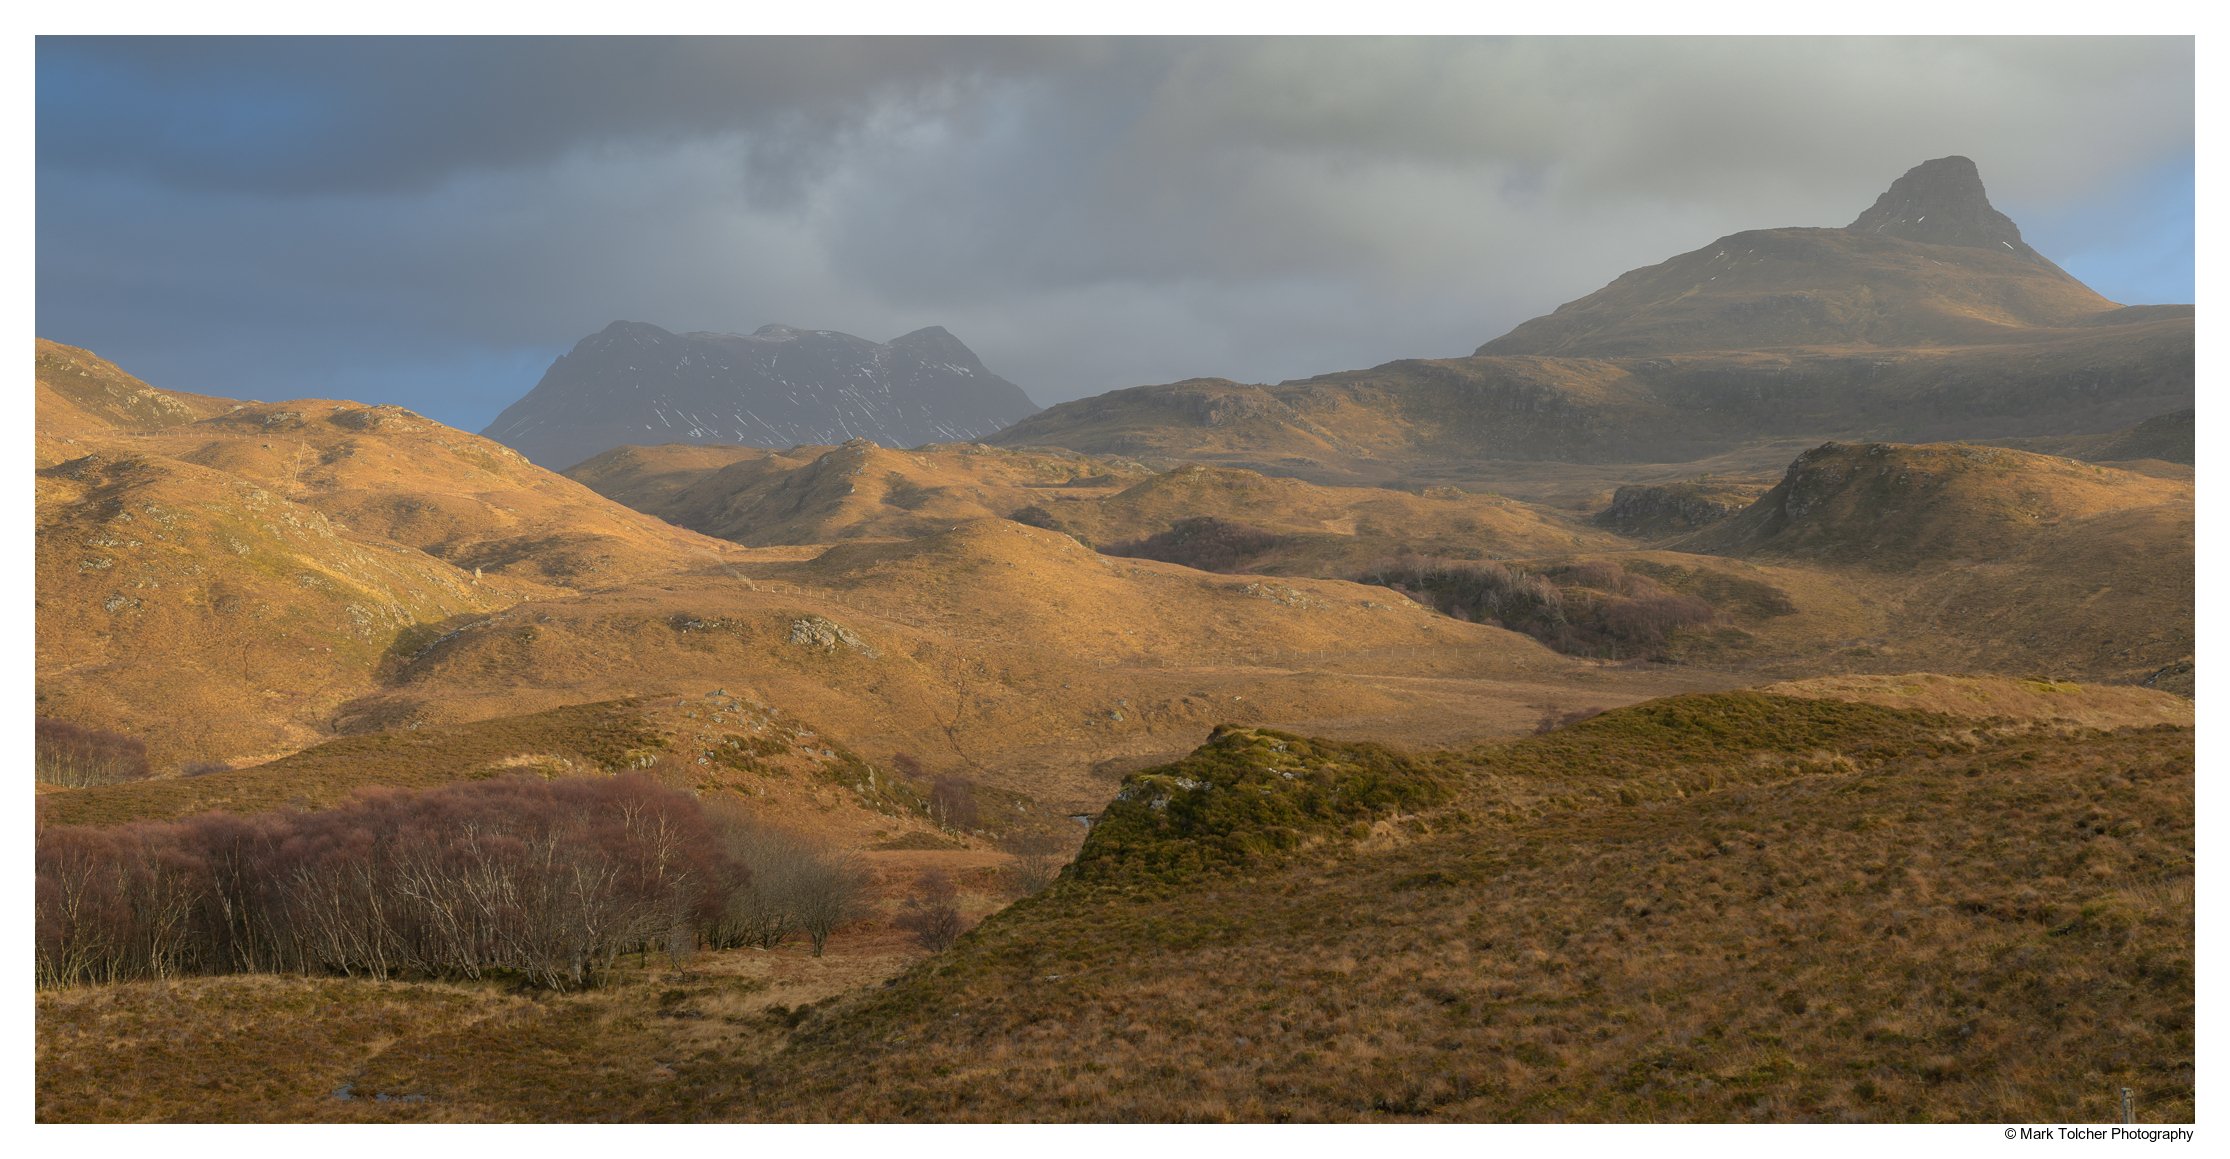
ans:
(1941, 202)
(779, 386)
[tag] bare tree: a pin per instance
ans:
(1035, 859)
(830, 890)
(952, 803)
(77, 757)
(932, 912)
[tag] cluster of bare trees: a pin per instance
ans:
(75, 756)
(549, 881)
(779, 883)
(1204, 542)
(1034, 859)
(931, 913)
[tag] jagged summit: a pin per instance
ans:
(779, 386)
(1931, 264)
(1942, 202)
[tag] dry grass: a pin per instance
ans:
(247, 1048)
(2058, 702)
(1928, 925)
(220, 577)
(1740, 907)
(833, 494)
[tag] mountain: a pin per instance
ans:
(1932, 263)
(1926, 319)
(776, 387)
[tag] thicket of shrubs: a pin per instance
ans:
(778, 883)
(1204, 542)
(78, 757)
(1588, 609)
(545, 881)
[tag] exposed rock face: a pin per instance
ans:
(776, 387)
(1655, 509)
(1941, 202)
(826, 634)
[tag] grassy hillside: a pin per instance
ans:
(811, 495)
(1892, 507)
(219, 578)
(78, 393)
(1741, 906)
(1011, 654)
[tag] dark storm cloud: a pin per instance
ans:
(378, 114)
(265, 216)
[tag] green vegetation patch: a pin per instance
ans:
(1244, 799)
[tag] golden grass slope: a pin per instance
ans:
(1895, 506)
(217, 577)
(1741, 907)
(1744, 907)
(712, 743)
(2044, 701)
(1984, 559)
(1012, 655)
(79, 392)
(857, 490)
(861, 491)
(211, 617)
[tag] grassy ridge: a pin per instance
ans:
(1812, 910)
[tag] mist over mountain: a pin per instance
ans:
(778, 386)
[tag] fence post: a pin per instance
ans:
(2129, 1109)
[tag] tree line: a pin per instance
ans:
(78, 757)
(548, 881)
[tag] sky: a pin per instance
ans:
(430, 222)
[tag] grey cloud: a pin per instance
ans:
(1087, 214)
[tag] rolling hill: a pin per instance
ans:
(813, 495)
(313, 568)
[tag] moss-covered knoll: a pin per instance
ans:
(1245, 799)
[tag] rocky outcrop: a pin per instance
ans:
(1650, 510)
(827, 635)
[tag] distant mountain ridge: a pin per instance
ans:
(778, 386)
(1931, 263)
(1925, 319)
